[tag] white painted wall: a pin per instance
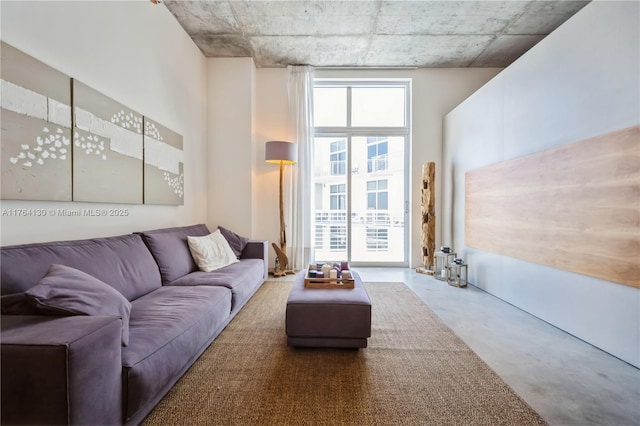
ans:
(136, 53)
(579, 82)
(271, 124)
(231, 112)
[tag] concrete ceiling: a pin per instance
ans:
(371, 33)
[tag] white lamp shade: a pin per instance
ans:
(279, 151)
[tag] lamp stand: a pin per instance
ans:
(282, 261)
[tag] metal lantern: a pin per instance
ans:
(441, 263)
(457, 273)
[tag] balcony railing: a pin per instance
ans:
(338, 168)
(328, 217)
(378, 218)
(378, 163)
(339, 217)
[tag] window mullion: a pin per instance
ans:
(349, 197)
(363, 131)
(349, 107)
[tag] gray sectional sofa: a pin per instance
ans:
(58, 369)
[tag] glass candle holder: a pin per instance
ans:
(441, 264)
(458, 271)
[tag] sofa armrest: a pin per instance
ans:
(61, 370)
(257, 250)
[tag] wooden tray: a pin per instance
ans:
(328, 282)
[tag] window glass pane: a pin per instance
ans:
(377, 220)
(338, 146)
(382, 201)
(330, 106)
(329, 198)
(382, 148)
(377, 107)
(371, 200)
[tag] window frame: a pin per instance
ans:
(348, 132)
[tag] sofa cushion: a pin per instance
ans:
(236, 242)
(66, 291)
(123, 262)
(170, 250)
(169, 328)
(211, 252)
(242, 278)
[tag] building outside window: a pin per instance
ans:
(338, 197)
(338, 158)
(377, 195)
(377, 203)
(377, 154)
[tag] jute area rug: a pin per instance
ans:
(416, 371)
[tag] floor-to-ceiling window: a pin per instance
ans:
(360, 175)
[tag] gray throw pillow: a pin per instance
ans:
(236, 242)
(68, 291)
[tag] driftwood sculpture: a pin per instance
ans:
(428, 214)
(282, 261)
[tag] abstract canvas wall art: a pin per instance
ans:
(107, 149)
(36, 129)
(163, 165)
(65, 141)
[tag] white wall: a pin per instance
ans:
(136, 53)
(231, 99)
(579, 82)
(271, 124)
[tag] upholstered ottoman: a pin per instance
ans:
(339, 318)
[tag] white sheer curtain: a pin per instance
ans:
(300, 90)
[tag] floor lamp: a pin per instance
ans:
(282, 153)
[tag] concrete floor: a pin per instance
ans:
(566, 380)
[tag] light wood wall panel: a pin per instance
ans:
(576, 207)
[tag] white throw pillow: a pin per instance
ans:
(211, 252)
